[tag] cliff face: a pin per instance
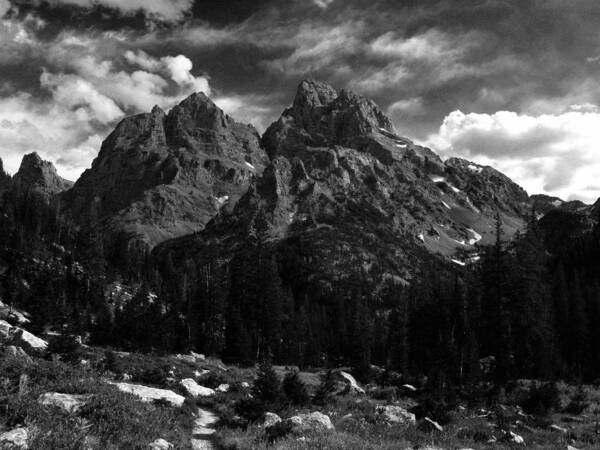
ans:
(355, 194)
(159, 176)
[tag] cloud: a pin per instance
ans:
(86, 85)
(168, 10)
(4, 7)
(555, 154)
(324, 4)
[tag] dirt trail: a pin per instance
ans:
(203, 429)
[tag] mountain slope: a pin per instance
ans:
(38, 176)
(160, 176)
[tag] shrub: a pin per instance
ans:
(578, 403)
(542, 399)
(250, 409)
(325, 389)
(267, 386)
(157, 375)
(112, 363)
(67, 346)
(294, 389)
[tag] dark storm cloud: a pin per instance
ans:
(420, 60)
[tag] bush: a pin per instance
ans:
(578, 403)
(250, 409)
(112, 363)
(157, 376)
(542, 399)
(325, 389)
(294, 389)
(267, 386)
(67, 346)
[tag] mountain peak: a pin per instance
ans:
(323, 117)
(36, 174)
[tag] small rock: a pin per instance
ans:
(430, 425)
(245, 385)
(201, 374)
(195, 390)
(396, 415)
(223, 388)
(17, 438)
(69, 403)
(558, 428)
(161, 444)
(271, 419)
(515, 438)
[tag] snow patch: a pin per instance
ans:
(460, 263)
(446, 204)
(422, 237)
(474, 168)
(557, 203)
(222, 200)
(250, 165)
(455, 189)
(438, 179)
(476, 236)
(401, 145)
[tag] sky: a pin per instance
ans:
(510, 83)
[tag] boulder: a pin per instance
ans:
(17, 439)
(346, 384)
(195, 390)
(161, 444)
(5, 330)
(300, 425)
(149, 394)
(395, 415)
(271, 419)
(201, 373)
(69, 403)
(223, 388)
(27, 339)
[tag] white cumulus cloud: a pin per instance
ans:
(555, 154)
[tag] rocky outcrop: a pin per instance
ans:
(69, 403)
(195, 390)
(395, 415)
(15, 439)
(17, 335)
(38, 177)
(301, 424)
(159, 176)
(149, 394)
(161, 444)
(5, 180)
(346, 384)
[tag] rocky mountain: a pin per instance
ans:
(5, 180)
(38, 176)
(163, 175)
(344, 189)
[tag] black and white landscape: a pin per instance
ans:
(299, 225)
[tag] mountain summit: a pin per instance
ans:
(38, 176)
(160, 176)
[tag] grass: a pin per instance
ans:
(110, 420)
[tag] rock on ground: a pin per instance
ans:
(271, 419)
(195, 390)
(396, 415)
(161, 444)
(17, 438)
(300, 424)
(69, 403)
(149, 394)
(352, 386)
